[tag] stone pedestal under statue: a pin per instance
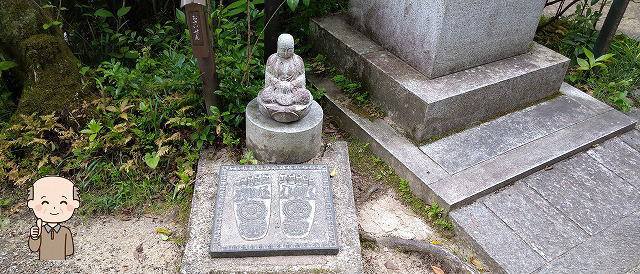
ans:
(284, 123)
(284, 143)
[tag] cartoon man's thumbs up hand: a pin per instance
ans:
(35, 231)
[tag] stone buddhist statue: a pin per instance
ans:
(285, 97)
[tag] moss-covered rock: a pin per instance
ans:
(19, 20)
(54, 82)
(47, 66)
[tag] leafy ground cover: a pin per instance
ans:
(135, 145)
(610, 78)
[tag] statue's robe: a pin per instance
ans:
(285, 82)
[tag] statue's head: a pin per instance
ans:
(285, 46)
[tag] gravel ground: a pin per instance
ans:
(384, 215)
(102, 245)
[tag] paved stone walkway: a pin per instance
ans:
(581, 216)
(628, 25)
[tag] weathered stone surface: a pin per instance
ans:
(499, 246)
(583, 98)
(488, 176)
(433, 183)
(635, 114)
(285, 97)
(436, 38)
(614, 250)
(196, 257)
(620, 158)
(495, 137)
(632, 138)
(284, 143)
(402, 155)
(585, 191)
(425, 107)
(274, 210)
(535, 220)
(331, 35)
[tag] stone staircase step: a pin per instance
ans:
(581, 216)
(463, 167)
(384, 141)
(470, 147)
(468, 185)
(424, 107)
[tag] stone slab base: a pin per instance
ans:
(424, 107)
(284, 143)
(197, 259)
(461, 168)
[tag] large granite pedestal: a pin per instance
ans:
(284, 143)
(439, 37)
(424, 108)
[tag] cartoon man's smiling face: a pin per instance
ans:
(53, 199)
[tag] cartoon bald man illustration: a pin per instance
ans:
(53, 201)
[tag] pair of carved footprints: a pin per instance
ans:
(253, 205)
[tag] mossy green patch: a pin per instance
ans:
(54, 83)
(47, 66)
(376, 170)
(19, 20)
(359, 97)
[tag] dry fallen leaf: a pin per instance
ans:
(437, 270)
(163, 231)
(548, 168)
(139, 249)
(436, 242)
(391, 265)
(137, 253)
(333, 173)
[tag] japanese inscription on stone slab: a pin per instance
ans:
(274, 210)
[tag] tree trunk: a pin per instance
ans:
(47, 67)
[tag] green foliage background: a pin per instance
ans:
(136, 143)
(574, 36)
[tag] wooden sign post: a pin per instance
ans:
(200, 32)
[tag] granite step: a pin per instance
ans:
(582, 216)
(461, 168)
(423, 107)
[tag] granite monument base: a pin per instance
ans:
(440, 37)
(197, 257)
(284, 143)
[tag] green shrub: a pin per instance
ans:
(609, 78)
(139, 142)
(568, 35)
